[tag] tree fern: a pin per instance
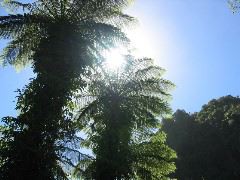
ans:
(121, 121)
(61, 39)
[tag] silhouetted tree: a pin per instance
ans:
(61, 39)
(207, 143)
(121, 119)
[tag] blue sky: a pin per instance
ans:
(197, 42)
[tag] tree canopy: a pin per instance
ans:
(121, 120)
(63, 41)
(207, 142)
(60, 39)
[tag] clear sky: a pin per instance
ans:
(196, 41)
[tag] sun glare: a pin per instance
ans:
(142, 46)
(114, 58)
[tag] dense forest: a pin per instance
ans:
(77, 119)
(206, 142)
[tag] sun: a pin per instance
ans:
(114, 58)
(140, 46)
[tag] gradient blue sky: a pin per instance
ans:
(197, 42)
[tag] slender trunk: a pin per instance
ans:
(113, 155)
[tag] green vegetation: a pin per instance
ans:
(60, 39)
(207, 142)
(63, 40)
(121, 122)
(75, 102)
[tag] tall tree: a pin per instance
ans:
(60, 38)
(121, 120)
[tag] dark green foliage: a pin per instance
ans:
(207, 143)
(32, 144)
(61, 39)
(121, 120)
(152, 158)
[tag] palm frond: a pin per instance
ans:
(20, 50)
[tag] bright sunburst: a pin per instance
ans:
(114, 58)
(140, 46)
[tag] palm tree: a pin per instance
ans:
(61, 39)
(121, 119)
